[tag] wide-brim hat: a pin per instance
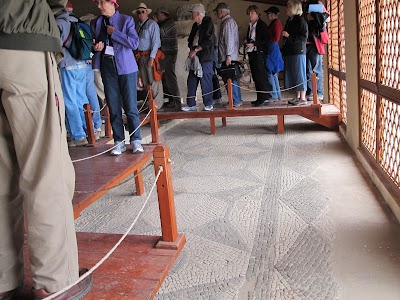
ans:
(142, 6)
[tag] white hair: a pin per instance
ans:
(226, 10)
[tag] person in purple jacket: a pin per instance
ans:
(115, 38)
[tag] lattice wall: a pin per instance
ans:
(389, 142)
(367, 39)
(380, 103)
(368, 121)
(389, 43)
(337, 56)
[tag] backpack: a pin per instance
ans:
(81, 41)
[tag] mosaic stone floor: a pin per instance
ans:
(250, 201)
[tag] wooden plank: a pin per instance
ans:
(93, 170)
(135, 270)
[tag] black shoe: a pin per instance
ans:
(173, 104)
(258, 103)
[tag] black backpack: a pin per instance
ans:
(81, 41)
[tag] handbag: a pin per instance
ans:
(234, 71)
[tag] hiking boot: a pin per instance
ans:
(189, 108)
(137, 147)
(76, 143)
(119, 148)
(74, 293)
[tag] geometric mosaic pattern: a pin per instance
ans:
(368, 121)
(250, 203)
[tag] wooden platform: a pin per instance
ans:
(325, 114)
(105, 171)
(135, 271)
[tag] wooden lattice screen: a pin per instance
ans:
(337, 57)
(379, 58)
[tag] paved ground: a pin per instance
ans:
(266, 216)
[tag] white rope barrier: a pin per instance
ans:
(267, 92)
(116, 145)
(201, 95)
(113, 248)
(144, 102)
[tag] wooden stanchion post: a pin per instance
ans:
(107, 125)
(89, 125)
(230, 93)
(153, 117)
(165, 196)
(314, 89)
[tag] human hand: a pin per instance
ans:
(150, 62)
(110, 29)
(285, 34)
(98, 47)
(192, 54)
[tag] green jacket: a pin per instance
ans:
(30, 25)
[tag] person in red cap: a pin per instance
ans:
(115, 39)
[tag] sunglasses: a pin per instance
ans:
(139, 12)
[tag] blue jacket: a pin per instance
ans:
(273, 59)
(124, 39)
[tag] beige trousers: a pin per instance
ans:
(36, 174)
(148, 78)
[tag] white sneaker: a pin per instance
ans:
(137, 147)
(189, 108)
(118, 149)
(208, 108)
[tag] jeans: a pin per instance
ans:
(121, 91)
(92, 97)
(237, 95)
(275, 88)
(205, 82)
(314, 64)
(73, 83)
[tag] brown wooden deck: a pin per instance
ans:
(139, 265)
(135, 271)
(324, 114)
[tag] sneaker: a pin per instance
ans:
(120, 147)
(297, 101)
(311, 97)
(76, 143)
(76, 292)
(208, 108)
(234, 105)
(97, 134)
(137, 147)
(189, 108)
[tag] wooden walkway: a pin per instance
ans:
(325, 114)
(138, 267)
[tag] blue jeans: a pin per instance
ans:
(237, 95)
(92, 97)
(274, 82)
(73, 84)
(314, 64)
(121, 91)
(205, 82)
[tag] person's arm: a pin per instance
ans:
(57, 5)
(230, 30)
(129, 38)
(155, 41)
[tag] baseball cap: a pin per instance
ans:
(272, 10)
(198, 8)
(221, 5)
